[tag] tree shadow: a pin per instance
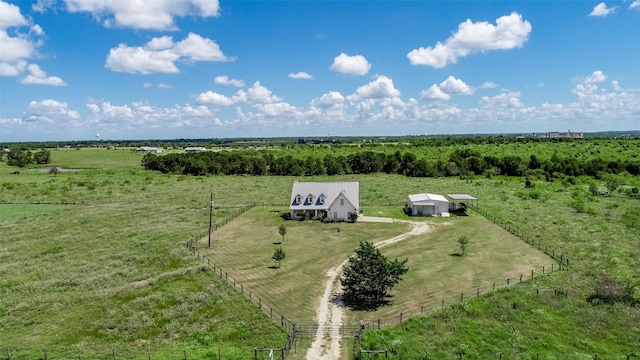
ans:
(337, 300)
(277, 243)
(456, 254)
(273, 267)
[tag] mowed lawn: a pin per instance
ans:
(243, 249)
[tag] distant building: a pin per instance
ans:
(149, 149)
(565, 135)
(195, 149)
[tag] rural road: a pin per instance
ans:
(326, 345)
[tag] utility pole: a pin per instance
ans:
(211, 204)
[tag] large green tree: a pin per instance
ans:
(368, 277)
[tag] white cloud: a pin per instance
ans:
(147, 85)
(301, 75)
(148, 14)
(635, 4)
(259, 94)
(12, 69)
(164, 86)
(596, 77)
(49, 111)
(510, 32)
(38, 77)
(160, 55)
(602, 10)
(10, 16)
(488, 85)
(225, 80)
(434, 93)
(350, 65)
(508, 99)
(16, 49)
(380, 88)
(455, 86)
(213, 98)
(331, 99)
(42, 5)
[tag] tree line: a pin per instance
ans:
(461, 162)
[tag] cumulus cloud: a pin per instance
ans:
(20, 47)
(380, 88)
(149, 14)
(455, 86)
(38, 77)
(301, 75)
(214, 98)
(160, 55)
(255, 95)
(510, 32)
(602, 10)
(164, 86)
(331, 99)
(350, 65)
(49, 111)
(595, 77)
(444, 90)
(225, 80)
(434, 93)
(635, 4)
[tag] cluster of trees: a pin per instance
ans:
(465, 161)
(22, 158)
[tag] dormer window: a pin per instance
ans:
(310, 199)
(298, 199)
(321, 199)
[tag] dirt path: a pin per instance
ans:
(326, 345)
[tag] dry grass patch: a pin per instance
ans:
(243, 248)
(437, 271)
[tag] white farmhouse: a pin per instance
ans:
(428, 204)
(338, 200)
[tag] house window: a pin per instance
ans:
(310, 199)
(321, 200)
(341, 202)
(298, 199)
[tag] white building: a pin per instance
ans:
(338, 200)
(428, 204)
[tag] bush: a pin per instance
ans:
(285, 216)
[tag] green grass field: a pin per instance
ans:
(95, 260)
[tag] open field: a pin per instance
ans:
(95, 259)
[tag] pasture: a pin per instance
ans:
(95, 260)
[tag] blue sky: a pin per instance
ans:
(163, 69)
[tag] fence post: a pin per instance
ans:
(461, 297)
(148, 353)
(270, 312)
(442, 303)
(532, 274)
(508, 281)
(520, 277)
(552, 267)
(185, 353)
(421, 309)
(259, 303)
(378, 324)
(113, 351)
(494, 286)
(242, 289)
(478, 292)
(401, 317)
(543, 270)
(45, 353)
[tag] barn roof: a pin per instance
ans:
(461, 197)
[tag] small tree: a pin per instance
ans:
(278, 255)
(282, 230)
(368, 277)
(463, 240)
